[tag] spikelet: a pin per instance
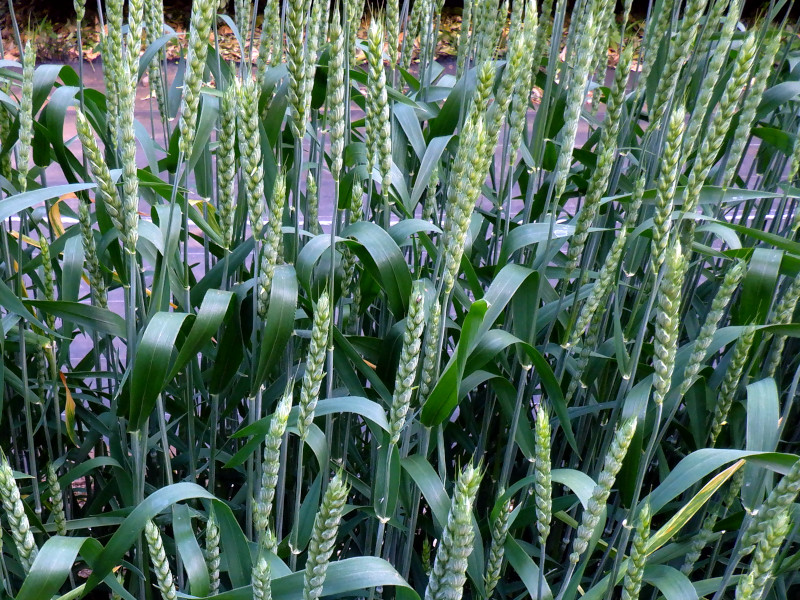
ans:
(295, 54)
(512, 73)
(608, 272)
(413, 27)
(26, 115)
(158, 558)
(718, 305)
(779, 499)
(392, 29)
(711, 77)
(126, 89)
(97, 284)
(312, 202)
(80, 9)
(426, 556)
(679, 51)
(753, 585)
(760, 77)
(430, 208)
(665, 189)
(315, 365)
(271, 463)
(270, 49)
(606, 151)
(632, 583)
(17, 519)
(317, 30)
(448, 576)
(242, 10)
(574, 102)
(589, 343)
(199, 30)
(250, 154)
(154, 22)
(135, 21)
(707, 534)
(211, 554)
(379, 131)
(112, 65)
(464, 40)
(784, 312)
(520, 98)
(271, 250)
(323, 537)
(494, 564)
(226, 164)
(56, 500)
(730, 383)
(467, 175)
(336, 95)
(430, 353)
(106, 190)
(665, 343)
(262, 574)
(543, 485)
(353, 14)
(710, 143)
(48, 278)
(611, 466)
(409, 358)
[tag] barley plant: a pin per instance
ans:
(352, 319)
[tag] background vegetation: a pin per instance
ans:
(344, 322)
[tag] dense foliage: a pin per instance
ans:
(351, 322)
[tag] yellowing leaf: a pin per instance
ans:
(69, 411)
